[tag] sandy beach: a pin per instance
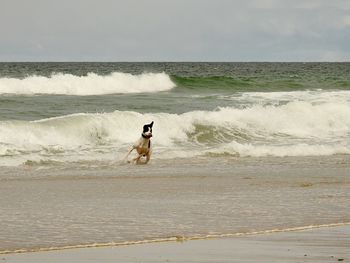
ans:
(318, 245)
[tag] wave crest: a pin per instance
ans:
(92, 84)
(294, 129)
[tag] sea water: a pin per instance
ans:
(92, 112)
(238, 148)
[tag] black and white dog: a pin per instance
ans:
(143, 146)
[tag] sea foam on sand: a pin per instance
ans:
(317, 245)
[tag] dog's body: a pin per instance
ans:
(143, 145)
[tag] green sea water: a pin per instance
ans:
(84, 112)
(198, 85)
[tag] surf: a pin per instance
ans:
(91, 84)
(295, 128)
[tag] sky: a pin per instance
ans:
(175, 30)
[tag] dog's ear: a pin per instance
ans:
(151, 124)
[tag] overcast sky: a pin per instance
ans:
(175, 30)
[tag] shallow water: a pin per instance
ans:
(57, 207)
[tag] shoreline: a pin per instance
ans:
(51, 209)
(324, 244)
(175, 239)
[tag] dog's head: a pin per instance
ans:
(147, 130)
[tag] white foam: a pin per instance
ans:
(177, 238)
(299, 149)
(92, 84)
(297, 128)
(246, 99)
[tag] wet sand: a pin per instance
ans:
(318, 245)
(52, 207)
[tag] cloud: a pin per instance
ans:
(345, 21)
(174, 30)
(333, 56)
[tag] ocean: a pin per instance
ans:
(238, 148)
(59, 113)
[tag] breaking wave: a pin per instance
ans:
(297, 128)
(92, 84)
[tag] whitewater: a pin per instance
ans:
(59, 113)
(91, 84)
(318, 125)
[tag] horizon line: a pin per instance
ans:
(170, 61)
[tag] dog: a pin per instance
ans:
(143, 146)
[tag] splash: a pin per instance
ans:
(298, 128)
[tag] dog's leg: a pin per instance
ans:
(148, 156)
(137, 159)
(127, 155)
(147, 159)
